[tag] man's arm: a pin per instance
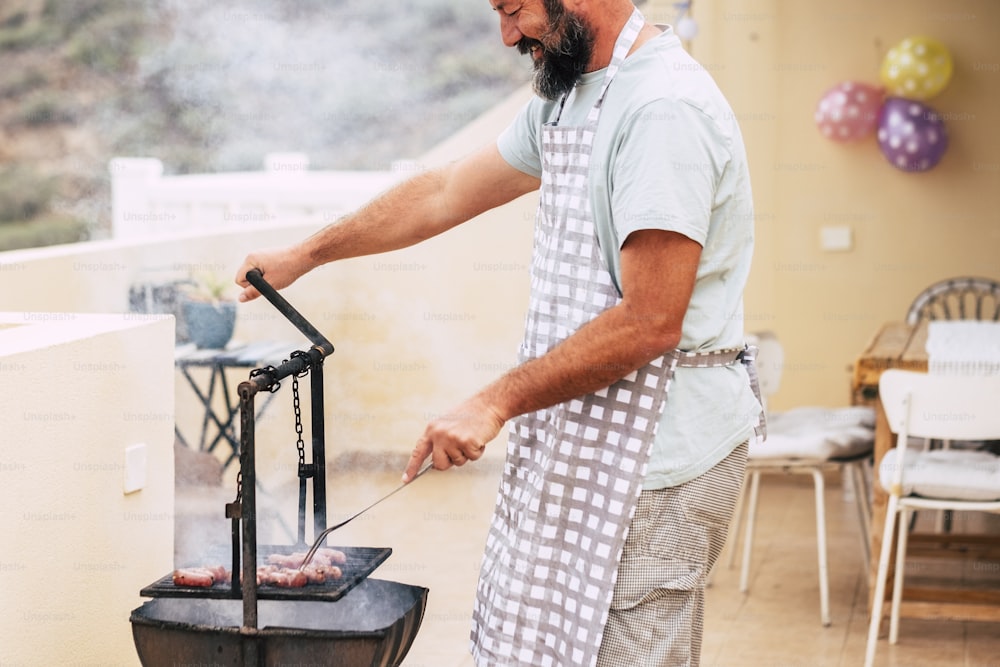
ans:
(413, 211)
(658, 275)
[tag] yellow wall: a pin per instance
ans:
(774, 59)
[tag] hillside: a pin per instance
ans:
(214, 85)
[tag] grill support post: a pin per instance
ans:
(268, 379)
(248, 507)
(319, 446)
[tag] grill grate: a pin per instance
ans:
(361, 562)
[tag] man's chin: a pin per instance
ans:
(551, 83)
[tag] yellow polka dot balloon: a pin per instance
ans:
(917, 68)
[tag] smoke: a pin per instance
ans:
(351, 83)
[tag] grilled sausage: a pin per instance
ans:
(289, 579)
(316, 574)
(284, 560)
(194, 576)
(323, 556)
(332, 556)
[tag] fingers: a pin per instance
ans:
(442, 457)
(457, 456)
(466, 454)
(249, 292)
(417, 458)
(278, 265)
(473, 452)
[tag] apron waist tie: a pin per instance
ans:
(710, 358)
(747, 355)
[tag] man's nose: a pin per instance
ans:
(509, 32)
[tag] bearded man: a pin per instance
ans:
(614, 501)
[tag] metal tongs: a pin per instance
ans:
(322, 536)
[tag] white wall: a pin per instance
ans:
(78, 390)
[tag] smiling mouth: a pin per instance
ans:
(531, 48)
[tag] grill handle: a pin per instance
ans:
(256, 278)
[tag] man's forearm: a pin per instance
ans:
(403, 216)
(415, 210)
(658, 274)
(420, 208)
(600, 353)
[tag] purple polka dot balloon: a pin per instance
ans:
(911, 135)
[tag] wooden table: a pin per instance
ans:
(895, 345)
(902, 345)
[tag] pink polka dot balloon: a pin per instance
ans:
(848, 111)
(911, 135)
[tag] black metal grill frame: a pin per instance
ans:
(362, 561)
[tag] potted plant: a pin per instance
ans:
(208, 310)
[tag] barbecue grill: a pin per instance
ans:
(352, 621)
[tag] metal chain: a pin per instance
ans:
(296, 404)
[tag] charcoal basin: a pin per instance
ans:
(372, 626)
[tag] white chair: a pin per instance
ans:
(925, 405)
(954, 299)
(811, 441)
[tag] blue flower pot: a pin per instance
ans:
(209, 325)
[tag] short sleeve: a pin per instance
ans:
(668, 163)
(520, 143)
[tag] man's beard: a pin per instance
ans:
(566, 52)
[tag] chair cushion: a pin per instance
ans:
(817, 433)
(953, 474)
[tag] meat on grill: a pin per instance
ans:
(281, 570)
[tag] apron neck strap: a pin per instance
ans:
(626, 38)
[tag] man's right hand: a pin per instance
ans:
(279, 266)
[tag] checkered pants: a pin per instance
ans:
(674, 540)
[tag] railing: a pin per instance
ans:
(145, 203)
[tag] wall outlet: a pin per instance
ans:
(135, 468)
(835, 238)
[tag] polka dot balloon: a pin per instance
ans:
(848, 111)
(911, 135)
(917, 68)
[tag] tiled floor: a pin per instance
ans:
(437, 527)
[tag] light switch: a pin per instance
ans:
(837, 238)
(135, 468)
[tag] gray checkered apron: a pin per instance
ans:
(574, 471)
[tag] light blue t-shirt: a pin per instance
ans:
(668, 154)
